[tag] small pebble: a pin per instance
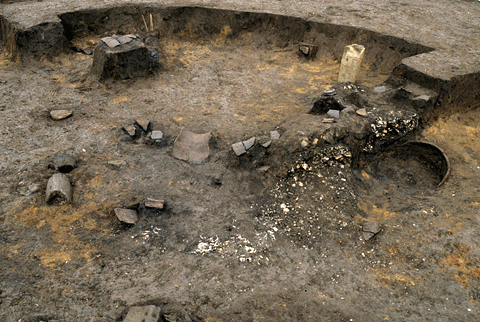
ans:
(379, 89)
(156, 135)
(274, 135)
(143, 123)
(117, 163)
(130, 130)
(249, 143)
(330, 92)
(153, 203)
(266, 144)
(238, 148)
(362, 112)
(328, 120)
(349, 109)
(128, 216)
(58, 115)
(334, 113)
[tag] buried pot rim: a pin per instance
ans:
(447, 161)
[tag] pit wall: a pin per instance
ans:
(383, 53)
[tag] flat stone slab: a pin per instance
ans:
(128, 216)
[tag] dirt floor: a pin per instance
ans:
(276, 234)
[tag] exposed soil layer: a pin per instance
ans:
(275, 234)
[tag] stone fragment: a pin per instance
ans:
(88, 51)
(379, 89)
(264, 168)
(274, 135)
(128, 216)
(156, 135)
(124, 39)
(362, 112)
(144, 124)
(111, 42)
(154, 203)
(328, 120)
(334, 113)
(117, 163)
(351, 62)
(370, 229)
(266, 144)
(330, 92)
(148, 313)
(239, 148)
(308, 50)
(58, 115)
(191, 147)
(131, 130)
(58, 190)
(64, 163)
(349, 109)
(420, 101)
(249, 143)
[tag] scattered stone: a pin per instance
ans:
(351, 62)
(192, 147)
(111, 42)
(420, 101)
(64, 163)
(58, 115)
(370, 229)
(125, 39)
(117, 163)
(362, 112)
(249, 143)
(131, 130)
(308, 50)
(143, 314)
(156, 135)
(264, 168)
(59, 190)
(349, 109)
(334, 113)
(330, 92)
(379, 89)
(274, 135)
(88, 51)
(266, 144)
(328, 120)
(128, 216)
(144, 124)
(154, 203)
(239, 148)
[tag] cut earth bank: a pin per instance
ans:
(276, 233)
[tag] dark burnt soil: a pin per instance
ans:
(272, 235)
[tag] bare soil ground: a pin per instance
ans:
(272, 235)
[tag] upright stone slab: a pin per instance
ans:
(351, 62)
(122, 57)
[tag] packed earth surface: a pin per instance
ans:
(280, 193)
